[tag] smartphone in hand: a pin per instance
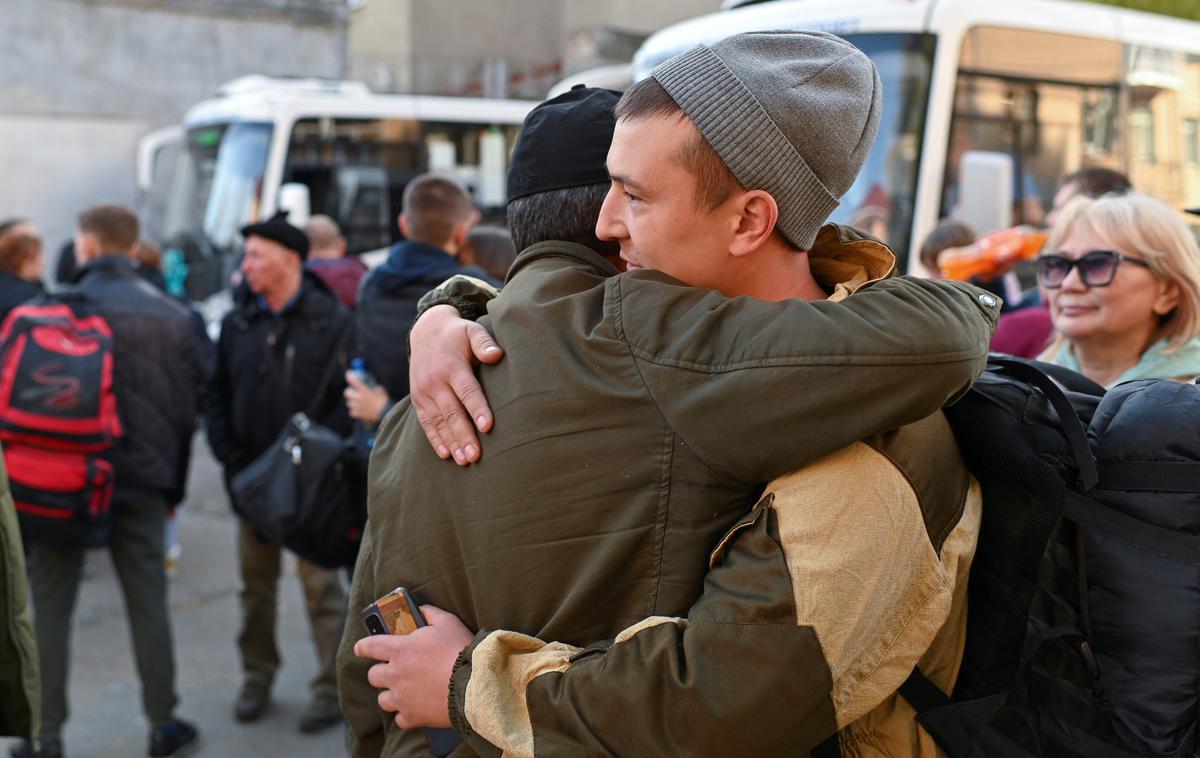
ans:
(397, 613)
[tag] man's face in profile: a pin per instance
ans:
(652, 208)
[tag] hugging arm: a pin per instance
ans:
(445, 343)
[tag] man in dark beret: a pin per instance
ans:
(272, 359)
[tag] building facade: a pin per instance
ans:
(81, 81)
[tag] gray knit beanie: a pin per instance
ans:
(790, 112)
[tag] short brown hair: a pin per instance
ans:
(714, 181)
(114, 227)
(947, 234)
(434, 206)
(17, 249)
(1094, 181)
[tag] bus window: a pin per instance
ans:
(1163, 87)
(356, 168)
(881, 200)
(1050, 101)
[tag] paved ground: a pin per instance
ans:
(107, 720)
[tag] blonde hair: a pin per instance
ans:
(1147, 228)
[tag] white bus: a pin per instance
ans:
(326, 147)
(1054, 85)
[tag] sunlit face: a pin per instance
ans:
(268, 265)
(1127, 311)
(651, 208)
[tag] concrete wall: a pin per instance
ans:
(81, 80)
(380, 45)
(633, 15)
(510, 49)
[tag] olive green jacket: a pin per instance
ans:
(636, 420)
(817, 605)
(21, 705)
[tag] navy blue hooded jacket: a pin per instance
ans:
(387, 307)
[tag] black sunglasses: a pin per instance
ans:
(1096, 268)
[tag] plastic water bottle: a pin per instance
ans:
(358, 367)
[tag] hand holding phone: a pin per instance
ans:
(397, 613)
(394, 613)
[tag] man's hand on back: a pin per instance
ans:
(414, 670)
(449, 402)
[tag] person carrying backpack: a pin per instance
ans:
(156, 383)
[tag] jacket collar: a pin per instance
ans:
(843, 260)
(109, 263)
(314, 301)
(559, 249)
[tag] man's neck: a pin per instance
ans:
(278, 299)
(781, 273)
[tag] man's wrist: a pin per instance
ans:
(460, 677)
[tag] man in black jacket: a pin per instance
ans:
(157, 382)
(436, 219)
(282, 350)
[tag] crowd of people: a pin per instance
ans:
(295, 313)
(722, 480)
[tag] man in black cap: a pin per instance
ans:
(273, 360)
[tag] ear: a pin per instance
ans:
(461, 232)
(403, 223)
(85, 246)
(1168, 297)
(757, 213)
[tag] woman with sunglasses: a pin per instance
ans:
(1123, 283)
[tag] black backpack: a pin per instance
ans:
(1083, 623)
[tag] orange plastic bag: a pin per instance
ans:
(991, 255)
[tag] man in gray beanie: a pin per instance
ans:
(638, 421)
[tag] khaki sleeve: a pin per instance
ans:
(467, 294)
(817, 606)
(758, 389)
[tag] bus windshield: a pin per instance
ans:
(881, 200)
(234, 193)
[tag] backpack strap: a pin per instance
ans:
(1036, 374)
(1151, 538)
(1151, 476)
(830, 748)
(922, 694)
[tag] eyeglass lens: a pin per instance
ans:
(1096, 269)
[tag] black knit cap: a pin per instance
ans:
(564, 142)
(277, 229)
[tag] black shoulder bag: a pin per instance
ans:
(307, 491)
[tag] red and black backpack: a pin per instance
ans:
(58, 418)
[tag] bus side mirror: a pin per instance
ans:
(985, 191)
(294, 198)
(148, 150)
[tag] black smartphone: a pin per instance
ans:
(397, 613)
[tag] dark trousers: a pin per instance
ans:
(136, 547)
(324, 599)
